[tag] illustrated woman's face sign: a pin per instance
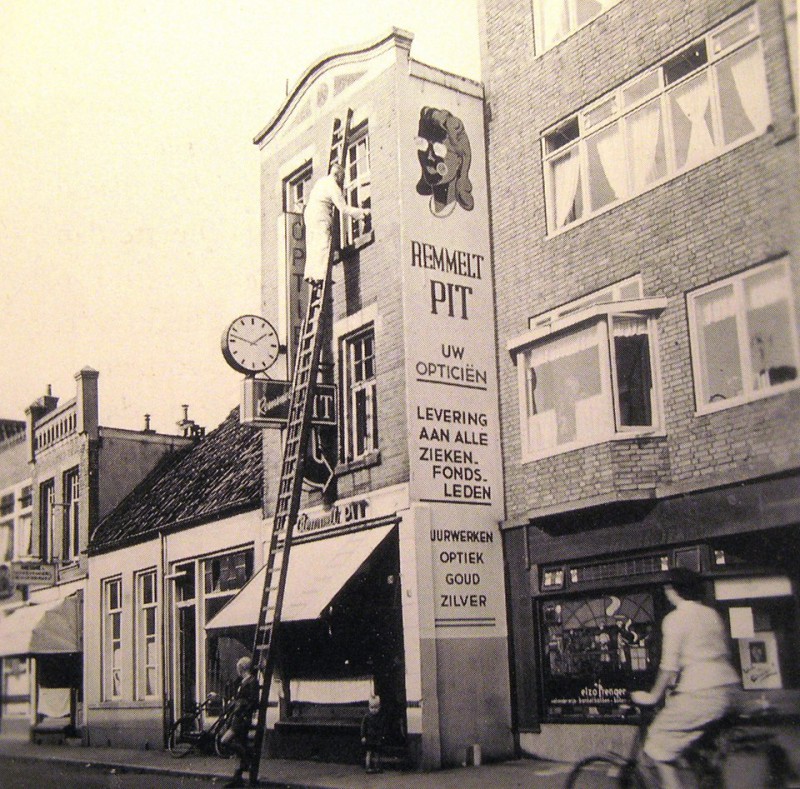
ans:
(438, 161)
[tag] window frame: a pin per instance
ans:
(143, 638)
(573, 136)
(540, 46)
(351, 435)
(71, 528)
(47, 501)
(749, 392)
(598, 316)
(296, 187)
(357, 188)
(111, 658)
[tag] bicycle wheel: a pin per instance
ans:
(183, 736)
(223, 750)
(600, 772)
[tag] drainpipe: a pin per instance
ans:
(166, 678)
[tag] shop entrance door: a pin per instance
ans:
(187, 659)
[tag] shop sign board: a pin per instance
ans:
(33, 573)
(296, 287)
(265, 402)
(452, 391)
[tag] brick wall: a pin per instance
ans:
(727, 215)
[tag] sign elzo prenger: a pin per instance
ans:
(265, 402)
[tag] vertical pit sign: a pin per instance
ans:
(454, 433)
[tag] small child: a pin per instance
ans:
(372, 725)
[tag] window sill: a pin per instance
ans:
(350, 251)
(574, 447)
(725, 404)
(372, 459)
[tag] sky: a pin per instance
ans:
(129, 207)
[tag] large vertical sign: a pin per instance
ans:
(296, 287)
(454, 434)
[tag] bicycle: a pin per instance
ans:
(187, 733)
(705, 759)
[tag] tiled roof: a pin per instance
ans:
(218, 476)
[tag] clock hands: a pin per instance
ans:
(243, 339)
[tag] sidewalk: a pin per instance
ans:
(522, 773)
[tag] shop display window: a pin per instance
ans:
(596, 649)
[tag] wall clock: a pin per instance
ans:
(250, 344)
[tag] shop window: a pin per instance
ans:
(554, 20)
(707, 99)
(588, 374)
(146, 646)
(224, 575)
(357, 188)
(47, 497)
(71, 524)
(111, 655)
(595, 650)
(360, 396)
(744, 344)
(296, 188)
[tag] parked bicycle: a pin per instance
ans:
(734, 734)
(187, 733)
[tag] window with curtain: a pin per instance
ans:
(146, 647)
(744, 341)
(357, 187)
(703, 101)
(554, 20)
(588, 375)
(360, 395)
(111, 656)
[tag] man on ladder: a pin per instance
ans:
(325, 196)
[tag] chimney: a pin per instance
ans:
(33, 413)
(147, 424)
(190, 428)
(88, 402)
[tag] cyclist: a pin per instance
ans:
(245, 702)
(695, 674)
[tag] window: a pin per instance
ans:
(554, 20)
(6, 541)
(26, 497)
(296, 188)
(47, 498)
(25, 535)
(6, 504)
(223, 576)
(360, 397)
(71, 534)
(111, 655)
(744, 345)
(587, 372)
(146, 635)
(702, 102)
(595, 650)
(357, 187)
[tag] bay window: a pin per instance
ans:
(698, 104)
(588, 375)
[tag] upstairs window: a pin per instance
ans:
(7, 504)
(554, 20)
(357, 187)
(744, 341)
(360, 398)
(296, 188)
(71, 534)
(589, 374)
(703, 101)
(47, 499)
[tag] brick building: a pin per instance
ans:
(400, 557)
(644, 178)
(66, 472)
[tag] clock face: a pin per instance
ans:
(250, 344)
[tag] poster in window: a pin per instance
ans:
(759, 659)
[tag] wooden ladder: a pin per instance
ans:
(291, 479)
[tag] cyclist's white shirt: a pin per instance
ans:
(695, 644)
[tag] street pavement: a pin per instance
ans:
(287, 773)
